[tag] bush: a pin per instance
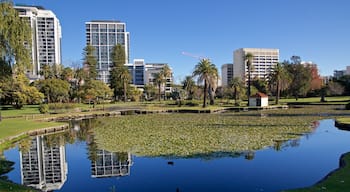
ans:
(44, 108)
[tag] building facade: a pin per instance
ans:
(137, 71)
(46, 37)
(103, 36)
(226, 74)
(264, 61)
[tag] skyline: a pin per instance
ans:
(161, 31)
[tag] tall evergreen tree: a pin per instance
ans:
(90, 62)
(118, 75)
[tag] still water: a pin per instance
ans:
(71, 162)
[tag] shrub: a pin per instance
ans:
(44, 108)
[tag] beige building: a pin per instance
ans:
(264, 61)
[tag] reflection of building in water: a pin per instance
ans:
(111, 164)
(44, 167)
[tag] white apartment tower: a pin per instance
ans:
(103, 36)
(226, 74)
(46, 37)
(264, 61)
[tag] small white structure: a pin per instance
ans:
(259, 100)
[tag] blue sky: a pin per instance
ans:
(160, 30)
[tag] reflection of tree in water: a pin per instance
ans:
(5, 167)
(249, 155)
(25, 144)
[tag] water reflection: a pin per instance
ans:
(111, 164)
(44, 165)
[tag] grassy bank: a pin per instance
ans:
(337, 181)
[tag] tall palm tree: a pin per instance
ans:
(205, 70)
(165, 74)
(248, 58)
(188, 85)
(237, 85)
(280, 78)
(213, 84)
(125, 76)
(158, 80)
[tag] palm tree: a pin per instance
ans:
(158, 80)
(165, 74)
(249, 62)
(213, 84)
(124, 75)
(237, 85)
(280, 78)
(188, 85)
(205, 70)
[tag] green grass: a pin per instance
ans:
(344, 120)
(16, 126)
(316, 100)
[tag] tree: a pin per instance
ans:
(300, 77)
(94, 90)
(150, 91)
(165, 74)
(55, 90)
(249, 62)
(237, 85)
(90, 62)
(15, 37)
(213, 84)
(205, 70)
(125, 77)
(158, 80)
(118, 73)
(279, 78)
(188, 85)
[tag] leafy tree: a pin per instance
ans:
(67, 74)
(205, 70)
(238, 85)
(94, 90)
(15, 37)
(249, 62)
(90, 62)
(55, 90)
(300, 77)
(334, 88)
(213, 84)
(188, 85)
(260, 84)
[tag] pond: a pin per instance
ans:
(72, 161)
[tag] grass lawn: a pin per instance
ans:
(16, 126)
(316, 100)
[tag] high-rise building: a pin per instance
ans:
(103, 36)
(226, 74)
(44, 167)
(46, 37)
(264, 61)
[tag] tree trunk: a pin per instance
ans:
(205, 94)
(159, 92)
(277, 92)
(235, 90)
(124, 91)
(248, 92)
